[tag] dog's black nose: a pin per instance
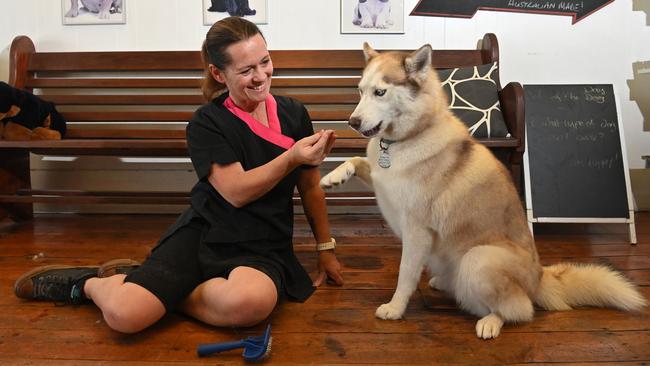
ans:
(355, 122)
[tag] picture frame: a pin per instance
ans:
(214, 10)
(372, 16)
(73, 12)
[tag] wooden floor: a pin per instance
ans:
(336, 325)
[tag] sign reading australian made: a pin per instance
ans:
(578, 9)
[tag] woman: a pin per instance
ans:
(228, 259)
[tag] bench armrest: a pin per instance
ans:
(511, 98)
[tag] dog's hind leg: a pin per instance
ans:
(355, 166)
(486, 288)
(438, 281)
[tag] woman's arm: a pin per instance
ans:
(240, 187)
(313, 202)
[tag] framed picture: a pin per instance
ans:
(372, 16)
(93, 12)
(254, 10)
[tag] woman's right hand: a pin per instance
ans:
(311, 150)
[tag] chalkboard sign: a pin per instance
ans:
(576, 162)
(578, 9)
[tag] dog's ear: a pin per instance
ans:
(369, 52)
(419, 61)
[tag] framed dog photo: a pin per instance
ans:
(93, 12)
(254, 10)
(372, 16)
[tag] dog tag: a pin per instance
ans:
(384, 159)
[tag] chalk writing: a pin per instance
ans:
(594, 94)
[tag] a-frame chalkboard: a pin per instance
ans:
(576, 165)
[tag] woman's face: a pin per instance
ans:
(248, 77)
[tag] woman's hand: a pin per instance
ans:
(328, 267)
(311, 150)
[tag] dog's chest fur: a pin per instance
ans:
(398, 188)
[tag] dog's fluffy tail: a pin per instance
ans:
(566, 285)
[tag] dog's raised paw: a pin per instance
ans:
(388, 312)
(489, 326)
(338, 176)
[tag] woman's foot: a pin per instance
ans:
(117, 266)
(58, 283)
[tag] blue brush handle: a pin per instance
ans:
(210, 348)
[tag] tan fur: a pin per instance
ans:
(455, 207)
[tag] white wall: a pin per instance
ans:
(534, 48)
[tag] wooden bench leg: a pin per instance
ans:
(516, 161)
(14, 175)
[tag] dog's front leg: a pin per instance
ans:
(74, 9)
(355, 166)
(416, 248)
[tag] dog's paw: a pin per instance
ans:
(338, 176)
(489, 326)
(389, 312)
(367, 25)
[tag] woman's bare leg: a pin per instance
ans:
(247, 297)
(126, 307)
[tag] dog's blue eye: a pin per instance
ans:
(380, 92)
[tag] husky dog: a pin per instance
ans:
(102, 7)
(454, 206)
(372, 14)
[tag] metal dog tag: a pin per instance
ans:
(384, 159)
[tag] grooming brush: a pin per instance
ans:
(255, 348)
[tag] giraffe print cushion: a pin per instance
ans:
(472, 95)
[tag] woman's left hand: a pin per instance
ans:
(328, 267)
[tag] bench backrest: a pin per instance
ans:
(150, 95)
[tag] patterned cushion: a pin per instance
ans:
(472, 93)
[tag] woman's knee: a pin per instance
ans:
(132, 313)
(249, 307)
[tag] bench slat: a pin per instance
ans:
(193, 83)
(339, 114)
(141, 133)
(196, 99)
(191, 60)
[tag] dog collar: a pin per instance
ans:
(384, 155)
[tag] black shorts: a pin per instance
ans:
(174, 267)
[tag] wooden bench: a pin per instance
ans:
(135, 103)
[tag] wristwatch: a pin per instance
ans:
(326, 246)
